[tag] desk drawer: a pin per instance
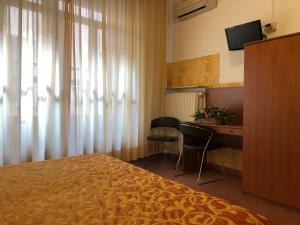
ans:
(229, 131)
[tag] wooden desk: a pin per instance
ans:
(228, 135)
(236, 130)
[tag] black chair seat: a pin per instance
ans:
(200, 147)
(163, 122)
(162, 138)
(197, 138)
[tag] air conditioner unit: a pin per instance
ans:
(185, 9)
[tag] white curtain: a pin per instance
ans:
(75, 77)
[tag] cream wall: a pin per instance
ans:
(204, 34)
(287, 15)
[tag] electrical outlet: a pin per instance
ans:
(270, 28)
(274, 26)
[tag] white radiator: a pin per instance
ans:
(182, 105)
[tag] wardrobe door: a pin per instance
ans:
(271, 152)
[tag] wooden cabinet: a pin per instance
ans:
(271, 154)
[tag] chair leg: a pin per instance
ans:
(177, 147)
(173, 156)
(179, 158)
(203, 154)
(200, 170)
(198, 163)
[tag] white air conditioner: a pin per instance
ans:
(185, 9)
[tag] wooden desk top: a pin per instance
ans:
(236, 130)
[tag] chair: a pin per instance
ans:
(164, 122)
(197, 138)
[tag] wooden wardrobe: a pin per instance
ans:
(271, 152)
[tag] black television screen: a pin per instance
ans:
(239, 35)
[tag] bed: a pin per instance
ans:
(99, 189)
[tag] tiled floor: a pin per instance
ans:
(230, 189)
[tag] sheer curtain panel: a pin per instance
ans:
(79, 76)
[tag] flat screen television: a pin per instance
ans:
(239, 35)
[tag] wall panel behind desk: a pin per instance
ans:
(231, 98)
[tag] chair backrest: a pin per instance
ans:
(165, 122)
(197, 132)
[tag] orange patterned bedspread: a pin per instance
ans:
(98, 189)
